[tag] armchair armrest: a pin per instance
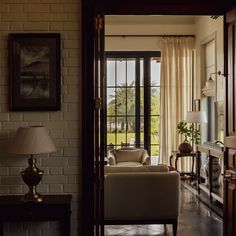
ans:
(111, 159)
(146, 160)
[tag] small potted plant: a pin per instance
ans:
(182, 127)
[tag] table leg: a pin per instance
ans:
(176, 160)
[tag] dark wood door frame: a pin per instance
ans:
(89, 9)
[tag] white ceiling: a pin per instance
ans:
(160, 19)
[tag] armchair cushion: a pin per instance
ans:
(129, 157)
(133, 155)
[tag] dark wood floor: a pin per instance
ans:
(195, 219)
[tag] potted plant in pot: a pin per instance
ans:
(189, 132)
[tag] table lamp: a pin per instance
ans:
(30, 141)
(196, 117)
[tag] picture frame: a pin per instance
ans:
(35, 71)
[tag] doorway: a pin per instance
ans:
(110, 7)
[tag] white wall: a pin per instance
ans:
(205, 28)
(142, 43)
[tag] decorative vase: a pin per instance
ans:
(185, 147)
(216, 170)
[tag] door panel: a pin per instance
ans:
(230, 124)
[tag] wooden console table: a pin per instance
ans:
(53, 208)
(212, 151)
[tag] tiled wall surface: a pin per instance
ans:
(61, 169)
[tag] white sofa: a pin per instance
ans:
(141, 195)
(128, 157)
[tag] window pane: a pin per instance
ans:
(154, 150)
(155, 100)
(110, 72)
(142, 101)
(155, 129)
(131, 101)
(131, 72)
(142, 131)
(141, 73)
(121, 72)
(110, 138)
(155, 73)
(110, 97)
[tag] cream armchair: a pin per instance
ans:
(141, 195)
(128, 157)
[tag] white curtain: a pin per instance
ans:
(176, 91)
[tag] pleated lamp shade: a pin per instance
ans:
(32, 140)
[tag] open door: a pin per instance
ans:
(92, 119)
(99, 124)
(230, 133)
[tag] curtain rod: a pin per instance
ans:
(148, 35)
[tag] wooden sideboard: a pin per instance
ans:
(212, 151)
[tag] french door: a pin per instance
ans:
(230, 121)
(92, 97)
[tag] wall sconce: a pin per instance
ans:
(209, 88)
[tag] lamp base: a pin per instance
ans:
(32, 176)
(32, 197)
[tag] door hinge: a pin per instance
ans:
(98, 103)
(98, 23)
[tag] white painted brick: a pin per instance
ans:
(70, 62)
(75, 34)
(10, 180)
(74, 160)
(36, 116)
(72, 107)
(73, 17)
(38, 8)
(73, 143)
(4, 171)
(71, 133)
(16, 116)
(15, 171)
(34, 26)
(56, 188)
(13, 125)
(13, 1)
(71, 116)
(74, 124)
(5, 8)
(71, 80)
(15, 189)
(71, 7)
(70, 26)
(56, 133)
(55, 161)
(4, 116)
(57, 8)
(56, 115)
(16, 8)
(71, 44)
(72, 71)
(4, 189)
(71, 170)
(71, 151)
(14, 17)
(71, 98)
(59, 152)
(70, 188)
(34, 123)
(56, 125)
(73, 179)
(34, 17)
(56, 25)
(55, 179)
(55, 170)
(60, 142)
(54, 17)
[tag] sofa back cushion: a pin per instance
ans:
(145, 168)
(134, 155)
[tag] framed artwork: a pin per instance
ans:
(34, 70)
